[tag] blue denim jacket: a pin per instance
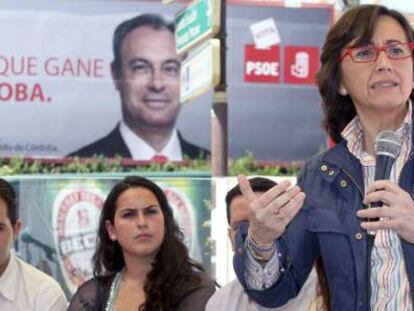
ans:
(327, 226)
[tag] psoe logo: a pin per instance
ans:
(262, 65)
(76, 213)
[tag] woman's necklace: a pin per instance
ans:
(113, 292)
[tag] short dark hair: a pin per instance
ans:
(172, 268)
(154, 21)
(258, 184)
(8, 195)
(357, 23)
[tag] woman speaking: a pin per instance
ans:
(367, 249)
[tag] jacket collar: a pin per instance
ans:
(339, 159)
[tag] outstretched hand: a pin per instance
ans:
(271, 212)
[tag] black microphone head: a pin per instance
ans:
(387, 143)
(26, 237)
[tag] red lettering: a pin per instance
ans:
(4, 66)
(99, 68)
(6, 91)
(75, 68)
(32, 66)
(17, 66)
(37, 93)
(67, 68)
(86, 68)
(50, 68)
(21, 92)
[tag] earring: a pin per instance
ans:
(112, 237)
(343, 91)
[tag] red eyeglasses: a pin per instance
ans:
(370, 53)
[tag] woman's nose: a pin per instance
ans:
(383, 63)
(141, 220)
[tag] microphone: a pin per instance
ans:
(387, 147)
(27, 238)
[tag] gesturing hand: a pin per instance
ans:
(397, 212)
(271, 212)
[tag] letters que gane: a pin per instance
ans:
(13, 68)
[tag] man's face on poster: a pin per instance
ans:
(148, 80)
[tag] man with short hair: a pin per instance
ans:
(22, 287)
(146, 73)
(232, 296)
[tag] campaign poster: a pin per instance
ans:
(57, 93)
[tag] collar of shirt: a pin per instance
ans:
(141, 150)
(8, 278)
(354, 136)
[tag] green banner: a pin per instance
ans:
(195, 23)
